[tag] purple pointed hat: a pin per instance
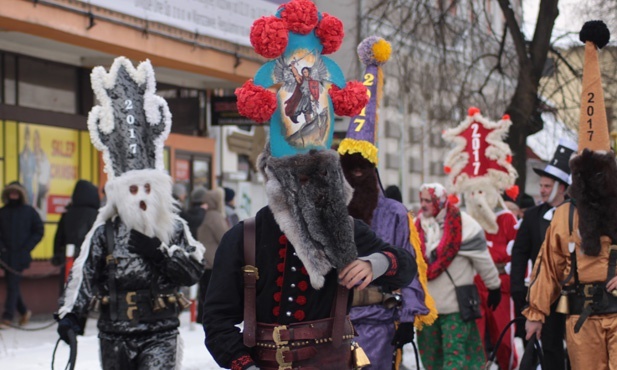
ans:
(362, 132)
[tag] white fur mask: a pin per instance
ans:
(143, 200)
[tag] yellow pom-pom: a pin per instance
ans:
(382, 50)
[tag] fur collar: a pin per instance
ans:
(308, 196)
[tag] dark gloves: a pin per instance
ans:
(145, 246)
(68, 324)
(404, 334)
(494, 297)
(520, 301)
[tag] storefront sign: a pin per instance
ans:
(224, 111)
(229, 20)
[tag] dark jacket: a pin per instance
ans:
(282, 275)
(77, 220)
(194, 216)
(21, 229)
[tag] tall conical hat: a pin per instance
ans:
(362, 132)
(593, 125)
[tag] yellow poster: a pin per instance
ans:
(48, 167)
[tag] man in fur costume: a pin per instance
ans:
(377, 311)
(308, 252)
(579, 254)
(454, 247)
(479, 168)
(139, 252)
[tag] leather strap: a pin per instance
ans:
(340, 312)
(250, 281)
(111, 263)
(288, 355)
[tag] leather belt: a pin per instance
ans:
(312, 330)
(593, 298)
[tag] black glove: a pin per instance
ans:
(68, 324)
(145, 246)
(404, 334)
(520, 301)
(494, 297)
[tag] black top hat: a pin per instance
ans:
(559, 167)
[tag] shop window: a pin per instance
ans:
(46, 85)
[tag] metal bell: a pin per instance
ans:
(360, 359)
(159, 304)
(105, 300)
(562, 305)
(171, 299)
(184, 303)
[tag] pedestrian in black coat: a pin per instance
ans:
(21, 229)
(75, 222)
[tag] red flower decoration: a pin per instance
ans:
(472, 111)
(505, 117)
(330, 32)
(303, 286)
(282, 239)
(279, 281)
(300, 15)
(277, 296)
(280, 267)
(349, 100)
(255, 102)
(282, 252)
(303, 270)
(301, 300)
(447, 169)
(299, 315)
(276, 311)
(269, 36)
(513, 192)
(509, 158)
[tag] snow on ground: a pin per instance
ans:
(32, 350)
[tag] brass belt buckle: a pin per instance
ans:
(587, 290)
(130, 300)
(276, 336)
(280, 358)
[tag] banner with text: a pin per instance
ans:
(229, 20)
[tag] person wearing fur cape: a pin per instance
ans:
(293, 296)
(577, 261)
(139, 252)
(376, 312)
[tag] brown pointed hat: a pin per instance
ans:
(593, 125)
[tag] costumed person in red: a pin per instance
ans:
(383, 320)
(454, 247)
(479, 168)
(576, 264)
(287, 272)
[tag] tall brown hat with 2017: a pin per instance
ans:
(593, 125)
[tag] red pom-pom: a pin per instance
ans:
(269, 36)
(277, 296)
(472, 111)
(299, 315)
(509, 158)
(453, 199)
(330, 32)
(349, 100)
(300, 15)
(513, 192)
(303, 286)
(505, 117)
(447, 169)
(283, 239)
(303, 270)
(276, 311)
(279, 281)
(255, 102)
(280, 267)
(301, 300)
(282, 252)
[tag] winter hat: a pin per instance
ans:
(480, 157)
(593, 129)
(313, 88)
(198, 195)
(559, 166)
(362, 132)
(229, 195)
(178, 190)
